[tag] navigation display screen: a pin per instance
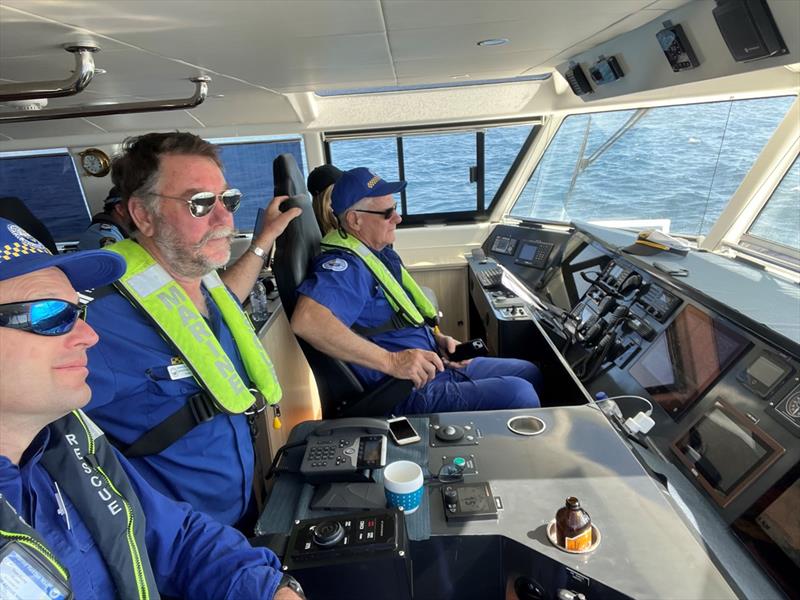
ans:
(686, 359)
(726, 451)
(527, 252)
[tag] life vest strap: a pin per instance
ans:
(198, 409)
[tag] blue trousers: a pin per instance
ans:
(484, 384)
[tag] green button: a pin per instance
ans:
(459, 462)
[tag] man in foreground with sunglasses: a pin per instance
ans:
(359, 304)
(178, 369)
(75, 517)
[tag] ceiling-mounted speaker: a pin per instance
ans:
(578, 81)
(749, 30)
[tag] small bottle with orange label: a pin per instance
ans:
(573, 526)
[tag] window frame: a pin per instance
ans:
(712, 241)
(483, 209)
(221, 142)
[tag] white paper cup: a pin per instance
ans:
(402, 483)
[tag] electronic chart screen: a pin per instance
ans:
(686, 359)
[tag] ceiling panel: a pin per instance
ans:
(513, 64)
(45, 129)
(424, 14)
(248, 107)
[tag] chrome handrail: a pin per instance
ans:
(81, 76)
(200, 93)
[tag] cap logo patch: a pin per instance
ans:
(335, 264)
(25, 245)
(373, 182)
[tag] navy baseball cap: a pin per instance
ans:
(359, 183)
(320, 178)
(113, 197)
(21, 253)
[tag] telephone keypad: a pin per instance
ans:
(343, 457)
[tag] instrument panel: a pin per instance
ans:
(726, 397)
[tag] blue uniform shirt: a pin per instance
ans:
(192, 556)
(347, 287)
(99, 235)
(211, 467)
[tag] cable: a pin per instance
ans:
(650, 404)
(278, 455)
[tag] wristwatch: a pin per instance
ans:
(258, 251)
(287, 581)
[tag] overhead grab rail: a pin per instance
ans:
(200, 93)
(81, 76)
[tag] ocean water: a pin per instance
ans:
(678, 163)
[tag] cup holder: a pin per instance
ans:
(526, 425)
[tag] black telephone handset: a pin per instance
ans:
(345, 450)
(368, 424)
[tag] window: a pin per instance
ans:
(49, 186)
(451, 174)
(437, 168)
(779, 220)
(248, 167)
(678, 163)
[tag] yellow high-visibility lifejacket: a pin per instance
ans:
(151, 288)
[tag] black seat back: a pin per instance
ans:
(340, 392)
(16, 211)
(286, 176)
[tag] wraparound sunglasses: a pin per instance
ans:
(48, 316)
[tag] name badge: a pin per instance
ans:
(24, 576)
(179, 372)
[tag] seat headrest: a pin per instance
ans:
(294, 249)
(286, 175)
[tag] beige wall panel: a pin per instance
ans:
(300, 399)
(450, 285)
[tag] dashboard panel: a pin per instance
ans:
(725, 393)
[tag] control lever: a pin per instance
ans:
(596, 281)
(606, 305)
(633, 281)
(594, 331)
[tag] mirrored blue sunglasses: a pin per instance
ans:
(48, 316)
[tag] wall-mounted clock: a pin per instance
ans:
(95, 162)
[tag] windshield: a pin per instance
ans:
(673, 166)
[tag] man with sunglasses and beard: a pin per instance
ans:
(359, 304)
(178, 368)
(76, 520)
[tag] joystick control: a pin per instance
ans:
(450, 433)
(328, 533)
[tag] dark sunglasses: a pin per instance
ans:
(42, 317)
(387, 214)
(202, 203)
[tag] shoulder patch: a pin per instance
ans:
(335, 264)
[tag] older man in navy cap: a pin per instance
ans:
(360, 305)
(76, 520)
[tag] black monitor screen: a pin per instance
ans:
(686, 359)
(527, 252)
(726, 451)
